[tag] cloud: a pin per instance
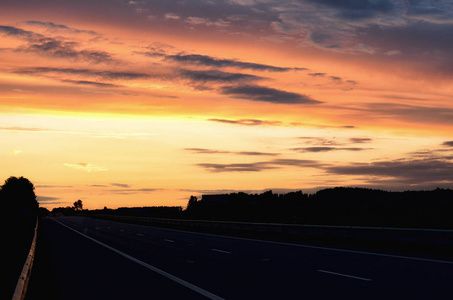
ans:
(217, 76)
(432, 57)
(360, 140)
(349, 26)
(206, 151)
(123, 188)
(248, 122)
(48, 46)
(87, 167)
(172, 16)
(317, 74)
(260, 166)
(326, 145)
(404, 171)
(46, 199)
(303, 163)
(206, 22)
(320, 141)
(205, 60)
(51, 25)
(448, 143)
(433, 11)
(129, 191)
(122, 185)
(18, 128)
(249, 153)
(91, 83)
(328, 149)
(20, 33)
(85, 72)
(265, 94)
(196, 76)
(357, 9)
(421, 171)
(256, 122)
(243, 167)
(53, 186)
(56, 48)
(256, 153)
(410, 113)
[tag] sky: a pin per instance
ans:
(144, 103)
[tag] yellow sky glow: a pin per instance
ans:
(139, 107)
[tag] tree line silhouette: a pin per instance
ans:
(341, 206)
(333, 206)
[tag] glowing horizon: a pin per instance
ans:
(145, 103)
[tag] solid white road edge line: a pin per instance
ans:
(150, 267)
(344, 275)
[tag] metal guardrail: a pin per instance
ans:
(421, 235)
(22, 283)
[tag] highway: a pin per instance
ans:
(98, 259)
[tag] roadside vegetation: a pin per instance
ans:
(18, 221)
(335, 206)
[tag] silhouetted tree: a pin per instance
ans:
(18, 197)
(78, 205)
(192, 202)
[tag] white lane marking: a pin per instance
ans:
(221, 251)
(140, 234)
(344, 275)
(301, 245)
(170, 241)
(121, 230)
(108, 227)
(150, 267)
(311, 247)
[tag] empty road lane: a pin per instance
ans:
(94, 259)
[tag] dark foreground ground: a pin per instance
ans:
(73, 261)
(16, 237)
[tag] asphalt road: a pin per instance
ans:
(82, 258)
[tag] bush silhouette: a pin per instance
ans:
(18, 197)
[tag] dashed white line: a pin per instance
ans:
(310, 246)
(170, 241)
(140, 234)
(344, 275)
(221, 251)
(121, 230)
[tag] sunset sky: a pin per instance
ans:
(145, 103)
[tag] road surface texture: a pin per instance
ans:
(83, 258)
